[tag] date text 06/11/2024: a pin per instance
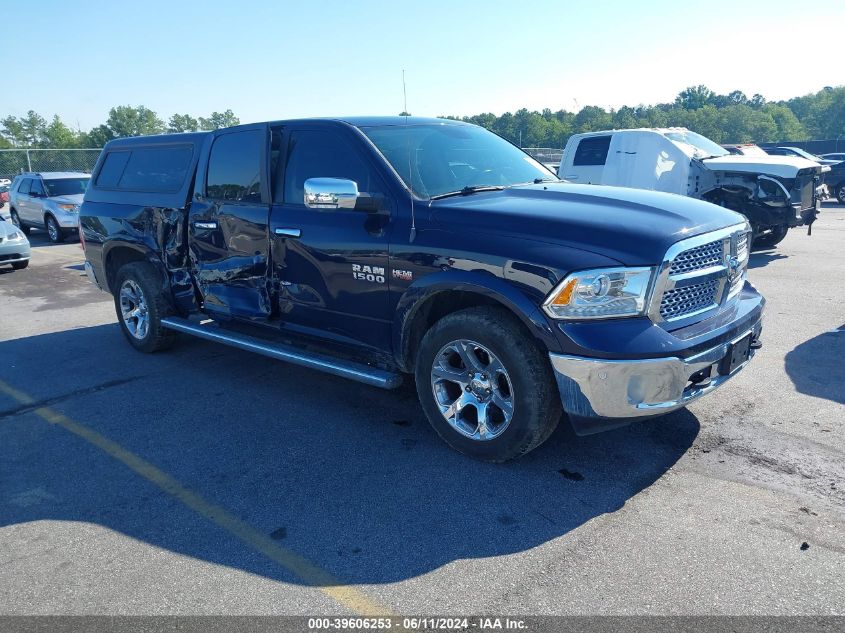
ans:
(418, 623)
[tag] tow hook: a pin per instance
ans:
(756, 343)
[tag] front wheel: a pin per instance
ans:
(772, 238)
(54, 231)
(20, 265)
(840, 192)
(140, 306)
(485, 386)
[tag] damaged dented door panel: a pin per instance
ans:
(331, 264)
(229, 247)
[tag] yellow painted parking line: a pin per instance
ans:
(304, 569)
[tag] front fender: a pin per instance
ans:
(484, 285)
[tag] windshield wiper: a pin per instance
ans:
(538, 181)
(467, 191)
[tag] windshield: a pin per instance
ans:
(434, 160)
(806, 155)
(704, 147)
(66, 186)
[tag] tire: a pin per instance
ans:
(772, 239)
(20, 265)
(54, 231)
(840, 192)
(17, 222)
(510, 370)
(138, 287)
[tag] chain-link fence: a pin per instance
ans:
(15, 161)
(546, 155)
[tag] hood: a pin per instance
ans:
(779, 166)
(75, 198)
(7, 228)
(633, 226)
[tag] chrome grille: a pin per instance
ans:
(698, 258)
(700, 274)
(686, 300)
(742, 247)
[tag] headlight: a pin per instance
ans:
(600, 294)
(17, 235)
(69, 208)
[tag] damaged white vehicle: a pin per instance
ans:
(775, 193)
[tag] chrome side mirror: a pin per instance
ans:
(330, 193)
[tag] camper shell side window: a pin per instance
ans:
(592, 151)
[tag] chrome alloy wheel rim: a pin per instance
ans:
(133, 309)
(472, 389)
(52, 229)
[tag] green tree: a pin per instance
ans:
(182, 123)
(58, 135)
(97, 137)
(13, 131)
(825, 114)
(218, 120)
(133, 121)
(788, 125)
(695, 97)
(592, 118)
(33, 128)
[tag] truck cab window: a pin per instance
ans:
(319, 154)
(592, 151)
(234, 167)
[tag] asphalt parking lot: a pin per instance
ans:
(206, 480)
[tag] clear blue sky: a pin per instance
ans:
(278, 59)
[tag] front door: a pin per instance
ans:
(229, 245)
(331, 265)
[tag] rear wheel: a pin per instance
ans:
(840, 192)
(54, 231)
(17, 222)
(485, 386)
(140, 305)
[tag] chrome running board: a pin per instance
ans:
(335, 366)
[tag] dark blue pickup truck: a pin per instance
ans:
(371, 248)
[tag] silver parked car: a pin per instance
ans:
(48, 200)
(14, 247)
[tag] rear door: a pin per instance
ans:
(332, 265)
(228, 225)
(21, 200)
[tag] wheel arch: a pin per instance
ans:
(118, 254)
(423, 304)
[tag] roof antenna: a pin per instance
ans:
(413, 235)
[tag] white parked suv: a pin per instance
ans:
(48, 200)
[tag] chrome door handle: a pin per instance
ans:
(208, 226)
(288, 232)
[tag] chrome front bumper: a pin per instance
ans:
(625, 389)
